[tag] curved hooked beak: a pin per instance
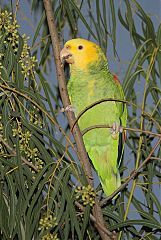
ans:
(66, 56)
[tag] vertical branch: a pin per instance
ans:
(82, 154)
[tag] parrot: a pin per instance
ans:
(90, 81)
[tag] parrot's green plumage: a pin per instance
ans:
(91, 80)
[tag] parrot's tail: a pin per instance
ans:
(111, 184)
(105, 163)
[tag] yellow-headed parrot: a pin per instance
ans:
(91, 80)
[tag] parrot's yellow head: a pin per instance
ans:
(80, 53)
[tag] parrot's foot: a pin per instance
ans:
(115, 129)
(68, 108)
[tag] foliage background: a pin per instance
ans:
(39, 203)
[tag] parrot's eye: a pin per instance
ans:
(80, 47)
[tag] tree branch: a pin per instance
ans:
(82, 154)
(124, 128)
(30, 164)
(93, 219)
(114, 100)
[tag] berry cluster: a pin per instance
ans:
(27, 63)
(9, 27)
(50, 236)
(86, 194)
(47, 222)
(31, 153)
(9, 31)
(35, 118)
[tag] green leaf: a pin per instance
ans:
(85, 219)
(129, 17)
(157, 203)
(81, 17)
(37, 31)
(12, 200)
(145, 223)
(131, 65)
(112, 6)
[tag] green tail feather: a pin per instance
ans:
(105, 163)
(111, 184)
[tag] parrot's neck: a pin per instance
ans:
(91, 69)
(94, 81)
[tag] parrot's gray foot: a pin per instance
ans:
(115, 129)
(68, 108)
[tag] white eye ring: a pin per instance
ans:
(80, 47)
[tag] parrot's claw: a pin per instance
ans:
(115, 129)
(68, 108)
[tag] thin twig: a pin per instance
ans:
(114, 100)
(14, 153)
(156, 158)
(82, 154)
(132, 175)
(17, 7)
(123, 128)
(2, 87)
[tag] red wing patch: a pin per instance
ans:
(115, 78)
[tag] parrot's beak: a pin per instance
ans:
(66, 56)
